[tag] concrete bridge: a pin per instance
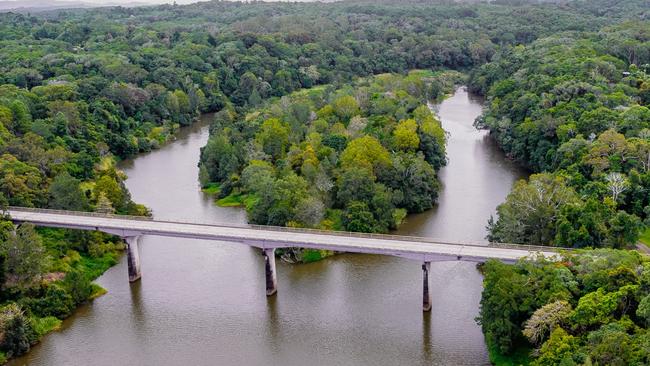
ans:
(269, 238)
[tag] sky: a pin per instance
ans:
(99, 2)
(51, 4)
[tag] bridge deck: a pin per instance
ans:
(423, 249)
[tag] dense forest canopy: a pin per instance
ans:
(575, 107)
(321, 123)
(591, 308)
(356, 158)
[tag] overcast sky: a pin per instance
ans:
(137, 1)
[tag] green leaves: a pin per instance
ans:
(589, 307)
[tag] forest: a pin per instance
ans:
(358, 158)
(591, 308)
(320, 121)
(573, 108)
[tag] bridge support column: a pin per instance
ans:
(426, 296)
(271, 278)
(133, 257)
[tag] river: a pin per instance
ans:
(203, 303)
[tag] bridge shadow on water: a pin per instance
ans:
(427, 354)
(135, 290)
(273, 323)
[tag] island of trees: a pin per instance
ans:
(321, 122)
(357, 158)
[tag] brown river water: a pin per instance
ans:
(204, 303)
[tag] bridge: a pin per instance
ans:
(269, 238)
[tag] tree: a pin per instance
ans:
(531, 209)
(104, 205)
(432, 138)
(366, 152)
(356, 126)
(310, 211)
(611, 345)
(357, 217)
(505, 304)
(624, 230)
(219, 157)
(15, 330)
(346, 107)
(21, 115)
(111, 190)
(26, 256)
(643, 311)
(414, 180)
(406, 137)
(78, 286)
(641, 152)
(355, 185)
(65, 194)
(598, 307)
(545, 319)
(274, 137)
(617, 184)
(610, 148)
(20, 183)
(558, 350)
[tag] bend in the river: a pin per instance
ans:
(203, 303)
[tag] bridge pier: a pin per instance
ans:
(426, 296)
(133, 257)
(271, 278)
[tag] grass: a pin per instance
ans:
(212, 188)
(45, 325)
(97, 291)
(520, 356)
(234, 200)
(314, 255)
(94, 267)
(645, 236)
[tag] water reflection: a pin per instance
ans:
(476, 179)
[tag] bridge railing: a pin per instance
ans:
(419, 239)
(79, 213)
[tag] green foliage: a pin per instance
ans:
(78, 285)
(293, 160)
(406, 137)
(82, 87)
(45, 325)
(66, 194)
(644, 237)
(16, 330)
(587, 308)
(273, 137)
(560, 349)
(233, 200)
(570, 105)
(531, 211)
(346, 107)
(313, 255)
(26, 258)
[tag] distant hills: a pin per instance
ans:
(42, 5)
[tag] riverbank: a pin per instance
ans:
(351, 302)
(69, 286)
(47, 273)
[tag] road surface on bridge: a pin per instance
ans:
(267, 237)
